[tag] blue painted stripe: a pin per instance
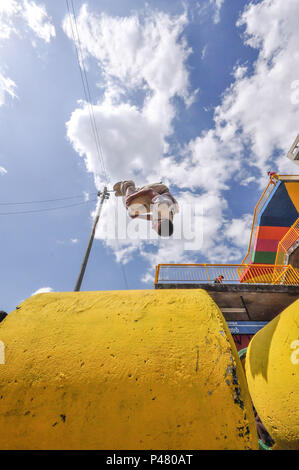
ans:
(245, 327)
(280, 210)
(268, 202)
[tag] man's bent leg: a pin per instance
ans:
(122, 187)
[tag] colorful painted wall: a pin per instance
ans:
(276, 218)
(279, 214)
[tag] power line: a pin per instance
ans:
(88, 97)
(44, 200)
(86, 88)
(47, 209)
(124, 274)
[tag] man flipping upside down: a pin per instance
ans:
(151, 202)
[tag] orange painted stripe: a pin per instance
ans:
(293, 192)
(271, 233)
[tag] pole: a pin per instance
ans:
(104, 195)
(244, 305)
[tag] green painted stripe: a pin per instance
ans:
(264, 257)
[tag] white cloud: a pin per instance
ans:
(86, 196)
(256, 117)
(204, 52)
(8, 7)
(135, 53)
(132, 142)
(38, 20)
(74, 240)
(33, 13)
(238, 230)
(7, 86)
(258, 106)
(208, 163)
(217, 5)
(246, 181)
(8, 10)
(239, 71)
(42, 290)
(257, 120)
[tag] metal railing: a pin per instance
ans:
(232, 274)
(286, 243)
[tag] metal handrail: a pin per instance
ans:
(286, 243)
(232, 273)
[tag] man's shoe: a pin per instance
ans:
(116, 188)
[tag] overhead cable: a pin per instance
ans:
(47, 209)
(88, 98)
(44, 200)
(86, 88)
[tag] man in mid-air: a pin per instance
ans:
(151, 202)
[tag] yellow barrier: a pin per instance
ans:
(272, 371)
(154, 369)
(231, 273)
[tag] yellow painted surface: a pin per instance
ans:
(272, 371)
(293, 190)
(152, 369)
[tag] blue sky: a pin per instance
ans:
(197, 94)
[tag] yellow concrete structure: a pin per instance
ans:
(272, 371)
(153, 369)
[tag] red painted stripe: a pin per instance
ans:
(271, 233)
(266, 245)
